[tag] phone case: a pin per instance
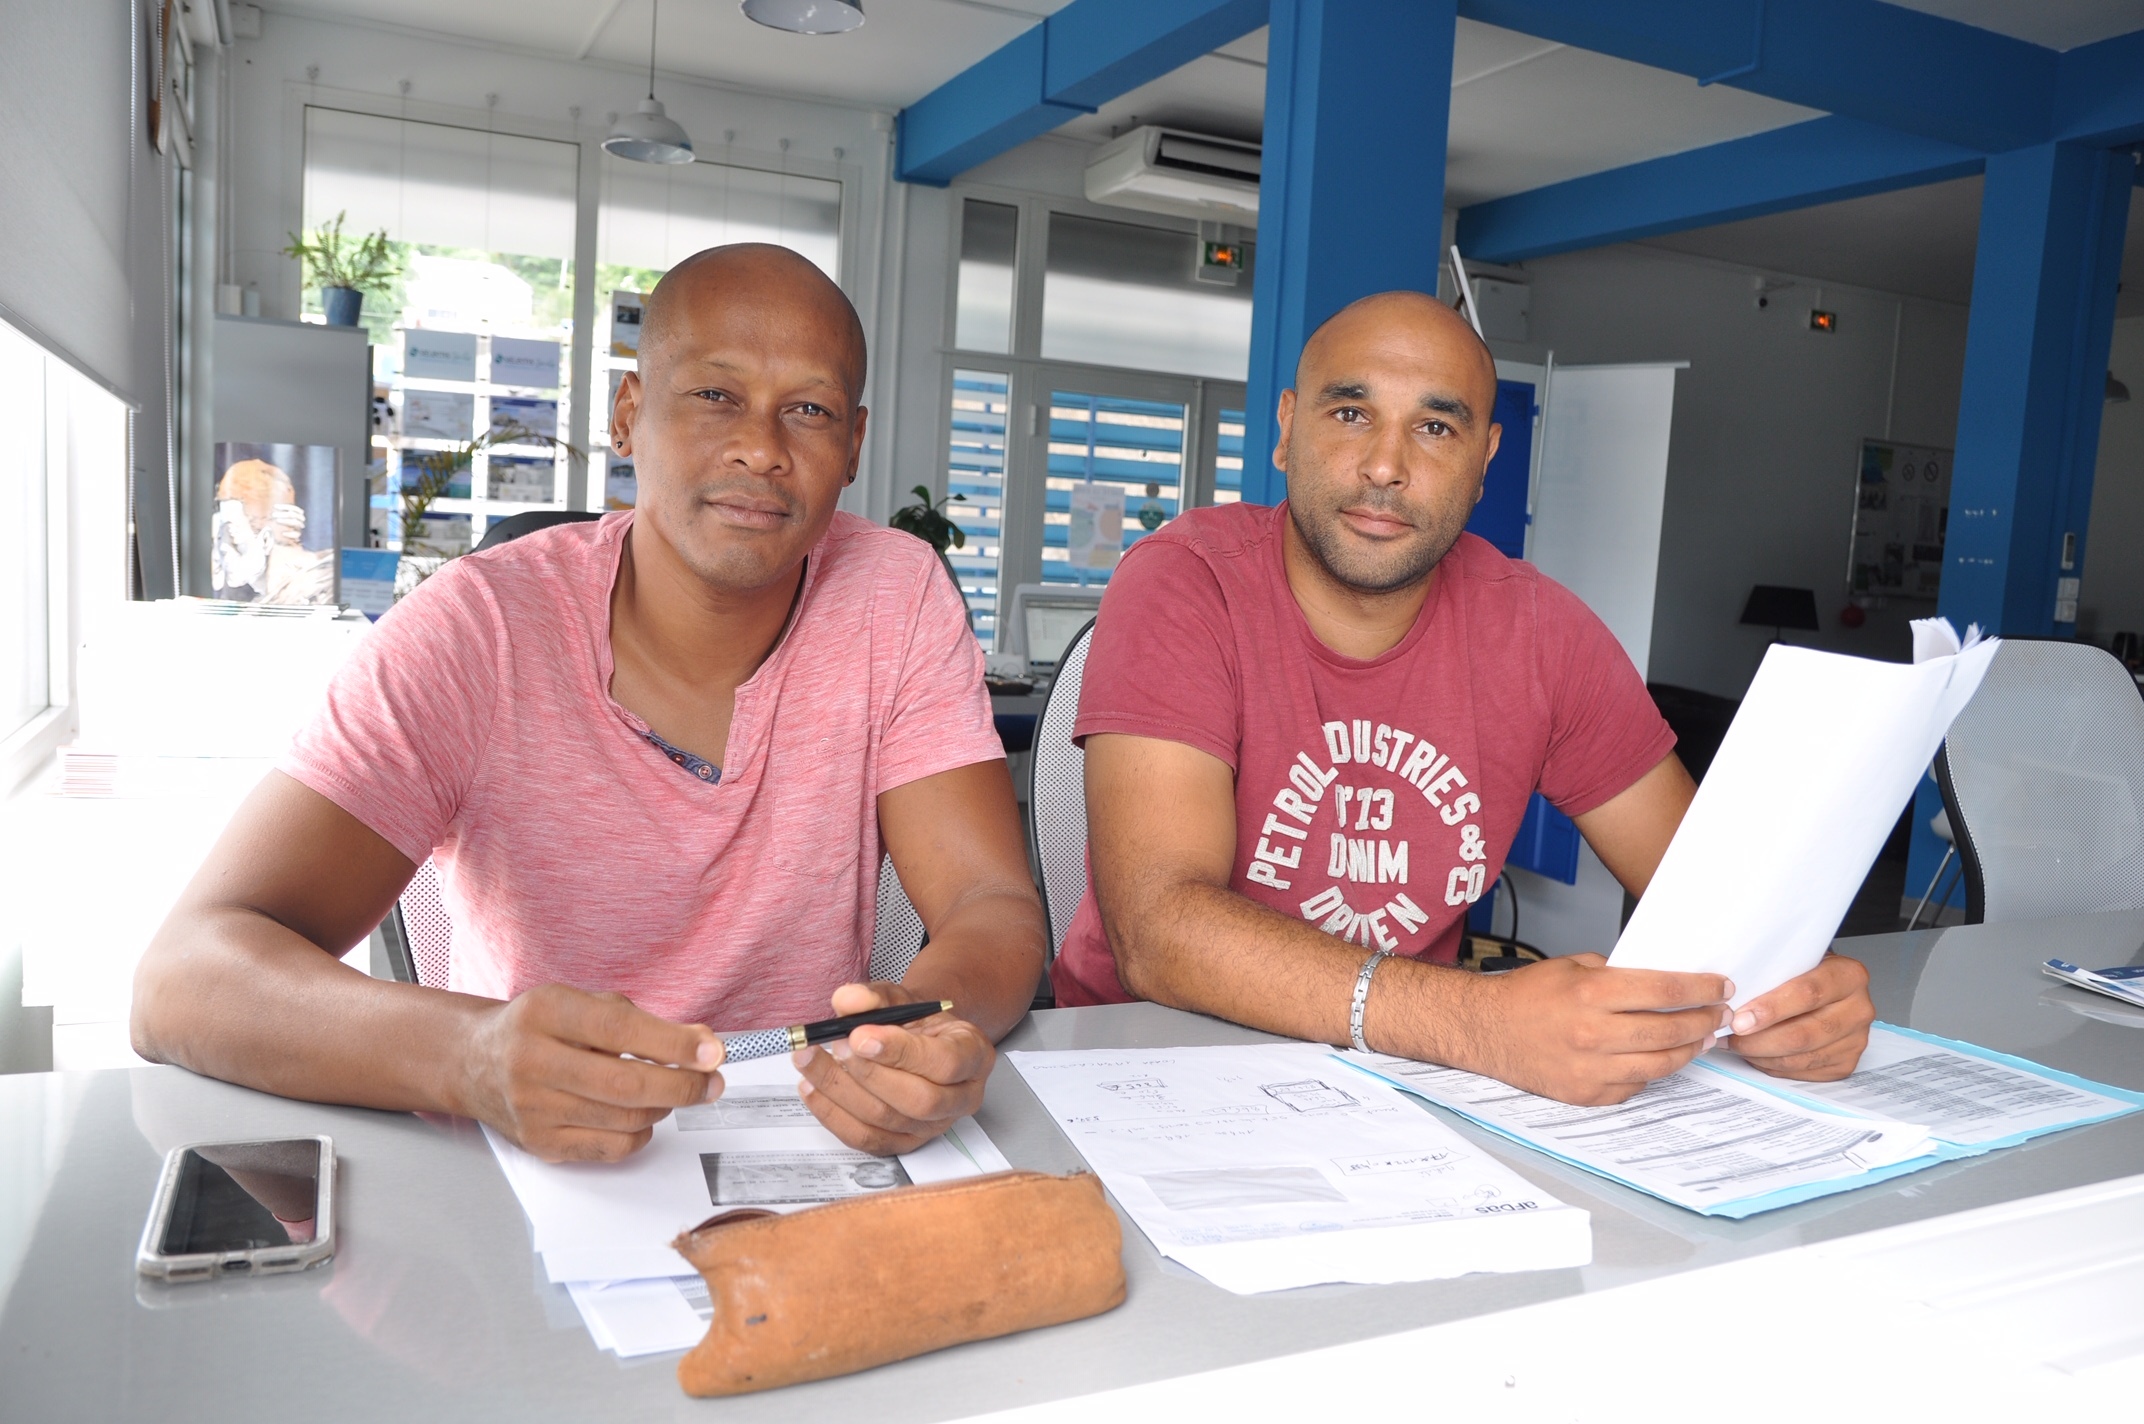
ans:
(261, 1261)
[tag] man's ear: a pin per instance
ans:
(1286, 416)
(856, 443)
(624, 410)
(1496, 438)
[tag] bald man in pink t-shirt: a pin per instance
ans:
(655, 758)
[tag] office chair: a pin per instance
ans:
(528, 521)
(420, 935)
(1057, 794)
(2043, 781)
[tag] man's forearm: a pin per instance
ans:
(232, 994)
(986, 956)
(1198, 946)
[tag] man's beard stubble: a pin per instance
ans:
(1405, 564)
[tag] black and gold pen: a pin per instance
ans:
(766, 1042)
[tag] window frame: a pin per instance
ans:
(1031, 376)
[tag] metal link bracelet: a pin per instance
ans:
(1362, 997)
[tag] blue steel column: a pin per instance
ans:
(2052, 220)
(1351, 190)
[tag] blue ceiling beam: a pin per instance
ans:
(2099, 97)
(1074, 62)
(1862, 59)
(1821, 161)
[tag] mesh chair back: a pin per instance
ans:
(1057, 798)
(426, 930)
(2043, 780)
(899, 937)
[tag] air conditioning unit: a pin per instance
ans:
(1189, 175)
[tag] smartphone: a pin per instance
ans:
(227, 1209)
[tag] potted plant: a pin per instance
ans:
(344, 268)
(434, 474)
(926, 519)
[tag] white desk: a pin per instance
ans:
(437, 1308)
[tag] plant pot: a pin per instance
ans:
(341, 304)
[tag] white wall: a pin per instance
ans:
(1768, 423)
(2112, 598)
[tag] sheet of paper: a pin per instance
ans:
(756, 1145)
(1700, 1139)
(1792, 812)
(1273, 1166)
(631, 1318)
(1966, 1096)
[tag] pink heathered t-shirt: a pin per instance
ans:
(1375, 798)
(475, 726)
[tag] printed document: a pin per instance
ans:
(1725, 1139)
(1805, 789)
(757, 1145)
(1700, 1139)
(1965, 1096)
(1265, 1167)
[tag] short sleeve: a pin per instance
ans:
(1604, 730)
(941, 711)
(404, 726)
(1162, 661)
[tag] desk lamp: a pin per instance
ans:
(1779, 609)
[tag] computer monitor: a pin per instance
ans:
(1046, 617)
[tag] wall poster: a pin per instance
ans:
(272, 539)
(1901, 515)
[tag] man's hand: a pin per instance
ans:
(1577, 1031)
(892, 1088)
(579, 1077)
(1813, 1027)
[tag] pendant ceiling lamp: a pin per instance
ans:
(807, 17)
(650, 135)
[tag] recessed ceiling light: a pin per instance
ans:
(807, 17)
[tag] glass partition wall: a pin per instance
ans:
(1096, 390)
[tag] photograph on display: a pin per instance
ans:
(517, 361)
(439, 355)
(272, 538)
(625, 309)
(438, 415)
(523, 416)
(523, 481)
(621, 490)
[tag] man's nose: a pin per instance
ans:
(758, 443)
(1384, 459)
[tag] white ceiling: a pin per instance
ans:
(1918, 241)
(2057, 24)
(1525, 112)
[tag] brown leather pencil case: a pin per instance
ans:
(842, 1287)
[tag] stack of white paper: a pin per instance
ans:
(1271, 1166)
(604, 1229)
(1794, 808)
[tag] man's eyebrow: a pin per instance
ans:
(1345, 390)
(1452, 406)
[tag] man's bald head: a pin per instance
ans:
(1385, 438)
(798, 295)
(1388, 311)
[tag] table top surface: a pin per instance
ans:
(437, 1304)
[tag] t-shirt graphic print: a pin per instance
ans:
(1378, 798)
(1381, 818)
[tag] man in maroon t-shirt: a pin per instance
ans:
(1311, 732)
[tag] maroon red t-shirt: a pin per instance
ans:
(1376, 799)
